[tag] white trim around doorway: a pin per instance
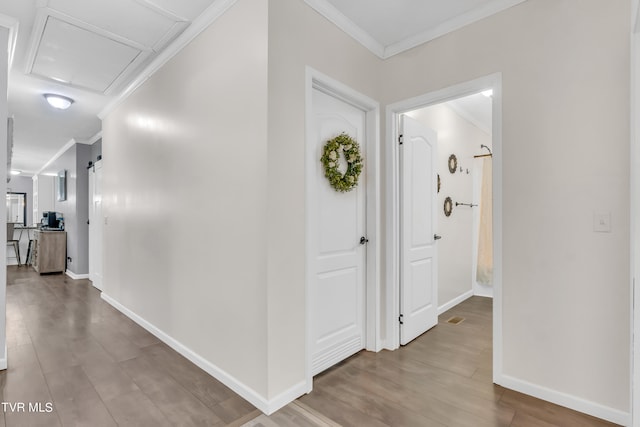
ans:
(392, 261)
(373, 308)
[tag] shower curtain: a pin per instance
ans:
(484, 272)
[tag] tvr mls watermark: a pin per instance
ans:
(30, 407)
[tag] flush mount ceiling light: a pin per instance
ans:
(58, 101)
(15, 172)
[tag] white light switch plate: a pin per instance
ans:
(602, 222)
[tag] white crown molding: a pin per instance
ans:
(68, 145)
(59, 153)
(326, 9)
(175, 30)
(91, 140)
(449, 26)
(12, 25)
(95, 137)
(208, 17)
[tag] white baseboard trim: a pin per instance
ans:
(75, 276)
(567, 400)
(286, 397)
(256, 399)
(457, 300)
(482, 290)
(3, 360)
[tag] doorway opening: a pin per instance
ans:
(463, 201)
(476, 267)
(95, 224)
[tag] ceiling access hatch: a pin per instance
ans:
(78, 57)
(69, 50)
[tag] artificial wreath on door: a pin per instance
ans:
(346, 146)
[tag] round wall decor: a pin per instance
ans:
(346, 146)
(453, 163)
(448, 206)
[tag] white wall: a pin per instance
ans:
(239, 302)
(456, 250)
(635, 204)
(298, 36)
(566, 316)
(185, 194)
(44, 194)
(565, 74)
(4, 75)
(75, 209)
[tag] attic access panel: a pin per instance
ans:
(79, 57)
(139, 22)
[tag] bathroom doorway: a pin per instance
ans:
(464, 195)
(465, 159)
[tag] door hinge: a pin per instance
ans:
(400, 319)
(400, 139)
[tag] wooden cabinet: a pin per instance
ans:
(50, 251)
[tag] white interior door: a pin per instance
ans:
(95, 224)
(418, 254)
(337, 259)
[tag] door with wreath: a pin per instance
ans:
(336, 230)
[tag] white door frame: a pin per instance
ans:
(97, 223)
(392, 260)
(635, 211)
(324, 83)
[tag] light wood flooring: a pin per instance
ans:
(96, 367)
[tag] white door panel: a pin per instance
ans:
(337, 260)
(334, 290)
(418, 254)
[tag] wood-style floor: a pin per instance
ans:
(95, 367)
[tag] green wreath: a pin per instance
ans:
(350, 149)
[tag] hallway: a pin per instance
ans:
(98, 368)
(82, 363)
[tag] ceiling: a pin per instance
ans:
(88, 50)
(476, 109)
(388, 27)
(91, 50)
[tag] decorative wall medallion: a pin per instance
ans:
(448, 206)
(453, 163)
(439, 183)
